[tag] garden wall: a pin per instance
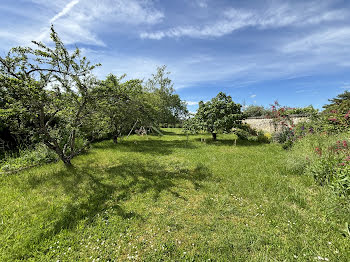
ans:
(265, 124)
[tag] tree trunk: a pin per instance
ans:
(66, 161)
(214, 136)
(115, 138)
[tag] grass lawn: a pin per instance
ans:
(165, 198)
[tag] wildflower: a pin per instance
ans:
(318, 151)
(345, 144)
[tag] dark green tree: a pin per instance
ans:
(218, 114)
(121, 105)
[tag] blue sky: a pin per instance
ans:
(297, 52)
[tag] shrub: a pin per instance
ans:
(283, 136)
(264, 137)
(26, 158)
(241, 134)
(324, 157)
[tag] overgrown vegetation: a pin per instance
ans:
(320, 147)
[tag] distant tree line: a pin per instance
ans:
(50, 95)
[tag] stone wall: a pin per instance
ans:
(265, 124)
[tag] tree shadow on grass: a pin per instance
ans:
(91, 191)
(171, 133)
(231, 142)
(154, 147)
(157, 178)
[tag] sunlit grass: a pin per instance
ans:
(168, 198)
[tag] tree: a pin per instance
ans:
(254, 110)
(51, 89)
(337, 114)
(168, 105)
(218, 114)
(122, 105)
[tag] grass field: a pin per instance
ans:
(168, 199)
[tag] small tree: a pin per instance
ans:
(51, 90)
(218, 114)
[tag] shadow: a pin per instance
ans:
(156, 178)
(154, 147)
(230, 142)
(91, 190)
(172, 133)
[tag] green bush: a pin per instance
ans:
(27, 158)
(241, 134)
(264, 137)
(283, 136)
(324, 157)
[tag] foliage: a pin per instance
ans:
(49, 95)
(169, 108)
(254, 111)
(264, 137)
(246, 132)
(326, 158)
(40, 154)
(308, 110)
(49, 89)
(220, 114)
(336, 116)
(121, 106)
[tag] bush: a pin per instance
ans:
(283, 136)
(264, 137)
(324, 157)
(27, 158)
(241, 134)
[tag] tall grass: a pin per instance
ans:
(324, 157)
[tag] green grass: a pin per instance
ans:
(168, 199)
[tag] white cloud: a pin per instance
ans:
(78, 21)
(332, 40)
(191, 103)
(275, 16)
(64, 11)
(252, 96)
